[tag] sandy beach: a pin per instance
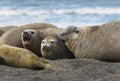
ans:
(72, 70)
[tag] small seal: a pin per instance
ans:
(54, 48)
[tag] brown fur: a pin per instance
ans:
(36, 37)
(102, 43)
(22, 58)
(13, 36)
(53, 48)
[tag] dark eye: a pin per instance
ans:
(43, 42)
(52, 42)
(32, 32)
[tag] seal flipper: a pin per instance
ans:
(1, 61)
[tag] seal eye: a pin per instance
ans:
(32, 32)
(52, 42)
(43, 42)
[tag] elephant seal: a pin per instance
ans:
(31, 39)
(53, 48)
(22, 58)
(96, 42)
(13, 37)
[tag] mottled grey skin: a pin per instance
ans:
(13, 37)
(22, 58)
(54, 48)
(31, 39)
(96, 42)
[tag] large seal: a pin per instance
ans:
(31, 39)
(13, 37)
(22, 58)
(96, 42)
(54, 48)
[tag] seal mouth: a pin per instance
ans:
(26, 39)
(46, 49)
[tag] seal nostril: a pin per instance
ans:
(44, 46)
(24, 32)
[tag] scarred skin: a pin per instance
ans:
(95, 42)
(13, 37)
(53, 48)
(31, 39)
(22, 58)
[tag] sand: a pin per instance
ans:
(71, 70)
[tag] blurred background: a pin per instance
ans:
(59, 12)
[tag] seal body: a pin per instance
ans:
(22, 58)
(96, 42)
(53, 48)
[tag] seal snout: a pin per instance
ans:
(25, 32)
(46, 47)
